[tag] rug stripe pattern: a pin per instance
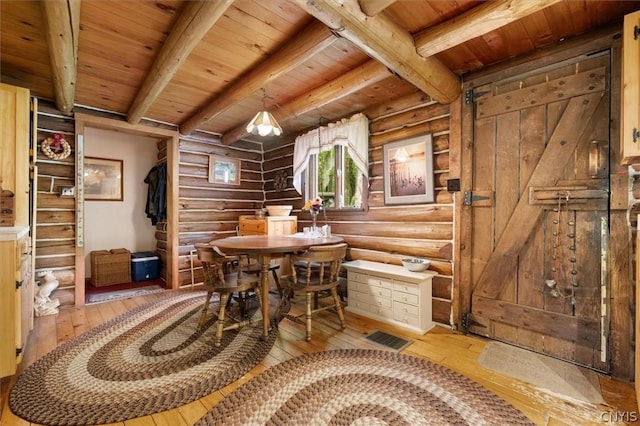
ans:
(148, 360)
(357, 386)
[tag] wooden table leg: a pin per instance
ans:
(265, 260)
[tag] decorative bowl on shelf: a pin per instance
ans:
(415, 264)
(279, 210)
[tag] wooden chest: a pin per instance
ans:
(271, 225)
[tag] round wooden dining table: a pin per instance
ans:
(265, 248)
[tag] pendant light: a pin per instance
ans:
(263, 123)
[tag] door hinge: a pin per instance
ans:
(468, 322)
(636, 32)
(469, 198)
(18, 284)
(635, 134)
(18, 351)
(470, 96)
(465, 320)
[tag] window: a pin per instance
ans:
(334, 176)
(332, 163)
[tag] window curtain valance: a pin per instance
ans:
(351, 132)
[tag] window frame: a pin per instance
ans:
(311, 176)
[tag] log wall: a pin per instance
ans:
(55, 216)
(389, 233)
(208, 211)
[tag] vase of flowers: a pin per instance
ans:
(314, 206)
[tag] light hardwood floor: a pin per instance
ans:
(456, 351)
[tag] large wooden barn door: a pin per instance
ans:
(539, 211)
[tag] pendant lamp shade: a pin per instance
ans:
(264, 124)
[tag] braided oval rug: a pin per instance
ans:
(362, 387)
(148, 360)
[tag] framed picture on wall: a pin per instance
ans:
(224, 170)
(103, 179)
(408, 171)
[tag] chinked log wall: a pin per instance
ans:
(209, 211)
(389, 233)
(55, 215)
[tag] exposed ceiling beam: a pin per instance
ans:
(192, 25)
(373, 7)
(384, 40)
(354, 80)
(62, 27)
(474, 23)
(304, 45)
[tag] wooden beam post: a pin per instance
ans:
(373, 7)
(194, 22)
(356, 79)
(384, 40)
(62, 27)
(314, 38)
(474, 23)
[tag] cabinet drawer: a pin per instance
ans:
(357, 304)
(407, 314)
(357, 276)
(405, 287)
(360, 297)
(380, 292)
(362, 287)
(409, 298)
(380, 282)
(381, 311)
(384, 302)
(252, 228)
(406, 309)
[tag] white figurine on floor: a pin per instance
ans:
(42, 304)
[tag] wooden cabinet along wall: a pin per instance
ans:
(391, 294)
(271, 225)
(630, 105)
(16, 266)
(14, 146)
(16, 296)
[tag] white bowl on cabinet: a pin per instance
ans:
(279, 210)
(415, 264)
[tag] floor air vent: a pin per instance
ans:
(387, 340)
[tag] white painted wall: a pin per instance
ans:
(116, 224)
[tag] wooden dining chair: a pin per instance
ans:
(254, 267)
(219, 279)
(315, 271)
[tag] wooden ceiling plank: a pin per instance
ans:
(192, 25)
(474, 23)
(373, 7)
(300, 48)
(62, 26)
(384, 40)
(356, 79)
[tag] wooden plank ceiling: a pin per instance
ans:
(210, 65)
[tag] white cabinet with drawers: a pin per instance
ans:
(390, 293)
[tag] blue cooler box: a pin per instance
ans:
(145, 265)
